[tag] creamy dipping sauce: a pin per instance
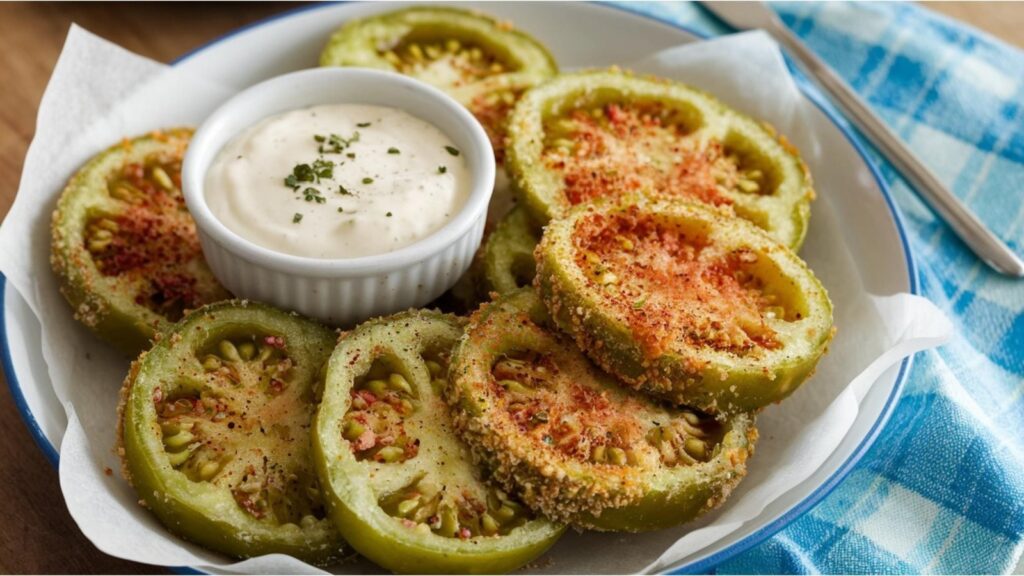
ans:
(338, 181)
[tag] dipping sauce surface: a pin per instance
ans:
(338, 181)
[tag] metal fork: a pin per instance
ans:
(974, 233)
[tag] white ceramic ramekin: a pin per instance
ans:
(341, 291)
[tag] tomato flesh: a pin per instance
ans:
(483, 63)
(599, 135)
(402, 487)
(125, 248)
(214, 429)
(571, 442)
(685, 303)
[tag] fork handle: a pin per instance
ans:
(967, 226)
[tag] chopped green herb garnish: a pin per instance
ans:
(303, 173)
(330, 148)
(343, 191)
(335, 143)
(452, 150)
(319, 137)
(320, 168)
(297, 218)
(389, 214)
(340, 209)
(313, 195)
(351, 155)
(640, 302)
(363, 124)
(367, 180)
(442, 169)
(394, 151)
(323, 168)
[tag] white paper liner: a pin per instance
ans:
(100, 93)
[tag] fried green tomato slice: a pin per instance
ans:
(400, 484)
(573, 444)
(483, 63)
(508, 253)
(685, 303)
(503, 263)
(215, 430)
(601, 134)
(125, 248)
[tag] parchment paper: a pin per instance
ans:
(100, 93)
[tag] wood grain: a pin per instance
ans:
(37, 535)
(1004, 20)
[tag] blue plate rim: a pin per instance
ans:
(701, 565)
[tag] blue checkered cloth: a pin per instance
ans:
(942, 490)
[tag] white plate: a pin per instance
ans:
(293, 40)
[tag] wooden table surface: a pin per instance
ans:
(37, 534)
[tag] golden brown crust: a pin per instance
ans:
(572, 445)
(684, 303)
(123, 395)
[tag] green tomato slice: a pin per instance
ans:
(503, 263)
(465, 295)
(483, 63)
(215, 431)
(570, 442)
(601, 134)
(508, 253)
(401, 486)
(686, 303)
(125, 248)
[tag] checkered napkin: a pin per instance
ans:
(942, 489)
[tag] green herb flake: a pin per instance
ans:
(367, 180)
(640, 302)
(344, 191)
(351, 155)
(333, 147)
(297, 218)
(363, 124)
(389, 214)
(303, 173)
(319, 138)
(452, 150)
(442, 169)
(340, 209)
(335, 143)
(323, 168)
(313, 195)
